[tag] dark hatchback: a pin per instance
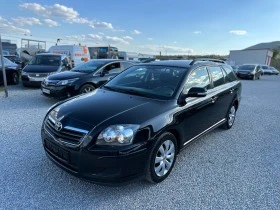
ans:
(12, 72)
(249, 71)
(83, 78)
(137, 123)
(41, 66)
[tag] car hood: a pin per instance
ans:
(102, 106)
(40, 69)
(65, 75)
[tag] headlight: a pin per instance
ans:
(52, 73)
(117, 135)
(24, 73)
(66, 82)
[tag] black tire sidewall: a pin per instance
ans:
(15, 78)
(227, 122)
(150, 169)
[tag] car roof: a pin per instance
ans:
(183, 63)
(51, 54)
(255, 64)
(174, 63)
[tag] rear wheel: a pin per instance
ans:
(162, 158)
(87, 88)
(230, 118)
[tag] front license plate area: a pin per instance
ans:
(57, 151)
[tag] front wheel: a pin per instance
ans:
(162, 158)
(230, 118)
(15, 78)
(87, 88)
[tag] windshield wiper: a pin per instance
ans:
(112, 88)
(130, 91)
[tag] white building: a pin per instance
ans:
(260, 56)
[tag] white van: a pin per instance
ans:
(78, 54)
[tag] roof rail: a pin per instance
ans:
(207, 59)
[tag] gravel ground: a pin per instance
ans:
(234, 169)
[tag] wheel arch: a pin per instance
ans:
(178, 137)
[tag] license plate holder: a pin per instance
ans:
(57, 151)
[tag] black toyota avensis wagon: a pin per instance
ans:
(137, 123)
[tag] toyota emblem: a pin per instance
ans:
(58, 126)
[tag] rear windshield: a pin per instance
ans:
(46, 60)
(247, 67)
(264, 67)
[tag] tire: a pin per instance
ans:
(86, 88)
(158, 159)
(15, 78)
(230, 118)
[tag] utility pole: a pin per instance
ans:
(3, 69)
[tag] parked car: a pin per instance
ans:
(266, 69)
(83, 78)
(249, 71)
(15, 59)
(41, 66)
(274, 70)
(137, 123)
(12, 72)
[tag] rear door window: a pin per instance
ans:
(217, 75)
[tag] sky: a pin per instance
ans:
(172, 27)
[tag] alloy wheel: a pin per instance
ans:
(88, 89)
(164, 158)
(231, 116)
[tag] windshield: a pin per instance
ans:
(247, 67)
(160, 82)
(90, 66)
(46, 60)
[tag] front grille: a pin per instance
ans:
(67, 134)
(38, 74)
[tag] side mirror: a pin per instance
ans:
(193, 92)
(197, 92)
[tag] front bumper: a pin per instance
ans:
(30, 81)
(245, 76)
(58, 91)
(102, 166)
